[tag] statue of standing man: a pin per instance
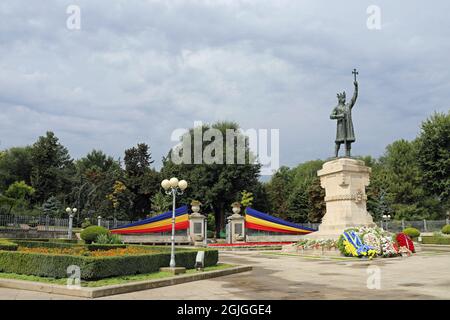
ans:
(343, 114)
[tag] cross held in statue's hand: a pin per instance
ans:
(354, 72)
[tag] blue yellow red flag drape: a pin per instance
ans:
(262, 221)
(160, 223)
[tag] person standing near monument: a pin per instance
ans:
(343, 114)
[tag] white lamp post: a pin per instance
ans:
(386, 219)
(173, 187)
(70, 212)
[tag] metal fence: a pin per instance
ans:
(421, 225)
(46, 223)
(43, 223)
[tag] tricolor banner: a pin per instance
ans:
(160, 223)
(262, 221)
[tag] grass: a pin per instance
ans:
(110, 281)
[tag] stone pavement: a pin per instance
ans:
(422, 276)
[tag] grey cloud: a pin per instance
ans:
(139, 69)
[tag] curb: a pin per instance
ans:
(118, 288)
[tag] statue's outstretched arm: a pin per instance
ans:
(355, 94)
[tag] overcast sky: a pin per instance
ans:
(137, 70)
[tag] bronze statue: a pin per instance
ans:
(343, 114)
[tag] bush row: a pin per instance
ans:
(44, 240)
(7, 245)
(42, 244)
(55, 266)
(435, 240)
(90, 247)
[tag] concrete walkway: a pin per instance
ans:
(422, 276)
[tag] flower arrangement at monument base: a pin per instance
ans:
(306, 244)
(374, 241)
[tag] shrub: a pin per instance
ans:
(108, 239)
(436, 240)
(85, 224)
(91, 233)
(411, 232)
(37, 244)
(55, 266)
(446, 229)
(102, 239)
(7, 245)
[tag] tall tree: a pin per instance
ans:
(402, 179)
(141, 179)
(19, 191)
(433, 156)
(278, 191)
(52, 168)
(15, 165)
(212, 180)
(95, 178)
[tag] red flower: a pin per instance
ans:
(405, 241)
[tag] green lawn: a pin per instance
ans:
(110, 281)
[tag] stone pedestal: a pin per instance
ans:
(197, 229)
(237, 228)
(344, 181)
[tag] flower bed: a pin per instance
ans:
(88, 252)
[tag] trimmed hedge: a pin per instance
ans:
(91, 233)
(446, 229)
(8, 246)
(411, 232)
(435, 240)
(55, 266)
(40, 244)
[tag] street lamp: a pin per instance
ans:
(173, 187)
(70, 212)
(386, 218)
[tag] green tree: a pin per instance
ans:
(52, 168)
(278, 191)
(316, 202)
(216, 185)
(52, 207)
(246, 198)
(18, 192)
(96, 174)
(401, 176)
(15, 165)
(298, 203)
(433, 156)
(160, 203)
(141, 179)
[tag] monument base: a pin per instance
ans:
(344, 181)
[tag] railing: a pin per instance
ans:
(421, 225)
(46, 223)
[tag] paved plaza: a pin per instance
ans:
(425, 275)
